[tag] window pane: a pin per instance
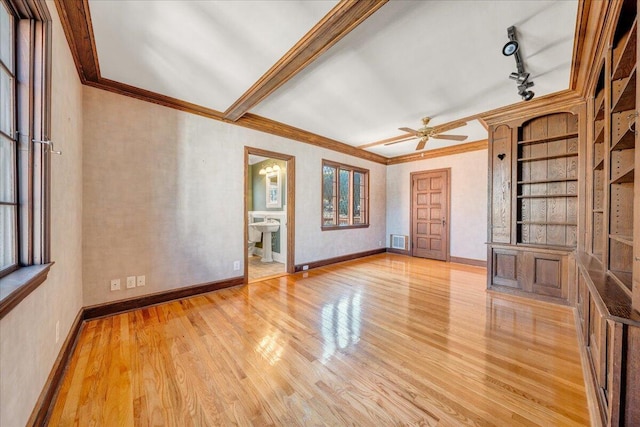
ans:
(359, 204)
(7, 102)
(7, 236)
(328, 195)
(6, 38)
(7, 170)
(344, 197)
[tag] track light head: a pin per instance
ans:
(510, 48)
(527, 95)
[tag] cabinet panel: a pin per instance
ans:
(530, 271)
(582, 306)
(505, 268)
(597, 344)
(549, 273)
(501, 185)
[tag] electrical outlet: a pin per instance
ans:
(305, 267)
(57, 331)
(140, 280)
(131, 282)
(379, 242)
(236, 265)
(115, 284)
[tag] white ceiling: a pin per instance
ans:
(408, 60)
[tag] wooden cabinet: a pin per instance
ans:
(544, 273)
(564, 212)
(534, 204)
(608, 272)
(609, 334)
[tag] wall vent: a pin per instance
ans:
(398, 241)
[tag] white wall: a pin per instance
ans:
(164, 194)
(27, 345)
(468, 200)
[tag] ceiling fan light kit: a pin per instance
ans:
(512, 48)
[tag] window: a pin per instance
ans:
(345, 196)
(8, 146)
(24, 160)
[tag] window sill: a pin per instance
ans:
(15, 286)
(343, 227)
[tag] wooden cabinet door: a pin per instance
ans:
(505, 268)
(500, 163)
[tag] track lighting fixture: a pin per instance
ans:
(512, 48)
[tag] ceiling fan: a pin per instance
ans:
(426, 132)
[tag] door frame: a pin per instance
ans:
(447, 227)
(291, 204)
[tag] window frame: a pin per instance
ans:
(31, 125)
(365, 206)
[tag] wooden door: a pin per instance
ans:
(430, 214)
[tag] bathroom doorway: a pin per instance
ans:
(269, 208)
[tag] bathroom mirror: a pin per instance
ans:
(273, 190)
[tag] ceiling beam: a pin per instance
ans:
(277, 128)
(76, 22)
(440, 152)
(343, 18)
(399, 138)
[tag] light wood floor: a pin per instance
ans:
(258, 269)
(387, 340)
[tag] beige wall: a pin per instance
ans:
(468, 200)
(163, 197)
(27, 346)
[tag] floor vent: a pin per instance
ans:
(398, 241)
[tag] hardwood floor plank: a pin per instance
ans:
(385, 340)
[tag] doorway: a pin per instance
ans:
(430, 206)
(269, 208)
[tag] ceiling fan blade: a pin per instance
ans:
(408, 138)
(422, 143)
(450, 126)
(451, 137)
(411, 131)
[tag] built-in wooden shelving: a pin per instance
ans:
(624, 93)
(548, 181)
(548, 157)
(549, 139)
(624, 54)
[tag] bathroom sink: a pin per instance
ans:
(265, 227)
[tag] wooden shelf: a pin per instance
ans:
(548, 181)
(624, 142)
(552, 156)
(625, 278)
(622, 137)
(624, 93)
(599, 106)
(599, 165)
(549, 139)
(598, 128)
(544, 196)
(597, 210)
(624, 55)
(626, 240)
(627, 175)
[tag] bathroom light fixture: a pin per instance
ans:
(269, 169)
(512, 48)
